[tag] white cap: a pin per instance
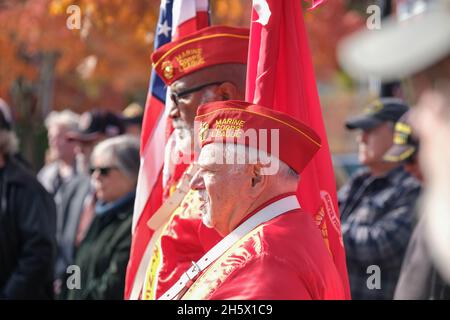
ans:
(403, 46)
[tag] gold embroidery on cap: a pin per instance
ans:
(400, 138)
(211, 36)
(313, 140)
(203, 131)
(403, 127)
(374, 107)
(167, 68)
(228, 128)
(402, 131)
(190, 58)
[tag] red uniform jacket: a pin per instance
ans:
(184, 239)
(284, 258)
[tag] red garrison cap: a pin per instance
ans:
(207, 47)
(227, 121)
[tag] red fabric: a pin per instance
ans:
(199, 50)
(150, 119)
(192, 25)
(229, 121)
(280, 74)
(284, 258)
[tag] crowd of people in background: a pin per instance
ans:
(77, 210)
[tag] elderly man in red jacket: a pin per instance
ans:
(250, 163)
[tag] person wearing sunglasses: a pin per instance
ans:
(205, 66)
(76, 207)
(103, 254)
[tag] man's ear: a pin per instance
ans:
(227, 91)
(259, 180)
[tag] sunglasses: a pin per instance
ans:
(103, 171)
(176, 96)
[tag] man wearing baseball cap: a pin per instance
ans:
(376, 203)
(208, 65)
(414, 45)
(132, 117)
(271, 248)
(94, 126)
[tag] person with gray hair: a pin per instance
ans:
(103, 254)
(27, 224)
(61, 167)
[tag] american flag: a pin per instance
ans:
(177, 18)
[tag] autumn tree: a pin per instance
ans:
(45, 65)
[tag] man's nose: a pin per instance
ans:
(174, 111)
(362, 136)
(197, 182)
(78, 149)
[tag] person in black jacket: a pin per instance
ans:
(27, 225)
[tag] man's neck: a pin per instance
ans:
(266, 198)
(65, 169)
(381, 169)
(259, 204)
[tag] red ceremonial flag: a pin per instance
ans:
(177, 18)
(280, 74)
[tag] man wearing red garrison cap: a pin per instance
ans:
(208, 65)
(250, 162)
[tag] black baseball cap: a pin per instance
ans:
(378, 112)
(97, 122)
(133, 114)
(405, 144)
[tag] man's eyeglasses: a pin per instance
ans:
(175, 96)
(103, 171)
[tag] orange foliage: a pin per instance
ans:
(109, 57)
(326, 25)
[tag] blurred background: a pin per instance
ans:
(44, 66)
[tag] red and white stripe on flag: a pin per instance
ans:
(280, 74)
(186, 16)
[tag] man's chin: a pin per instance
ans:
(364, 160)
(183, 145)
(206, 219)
